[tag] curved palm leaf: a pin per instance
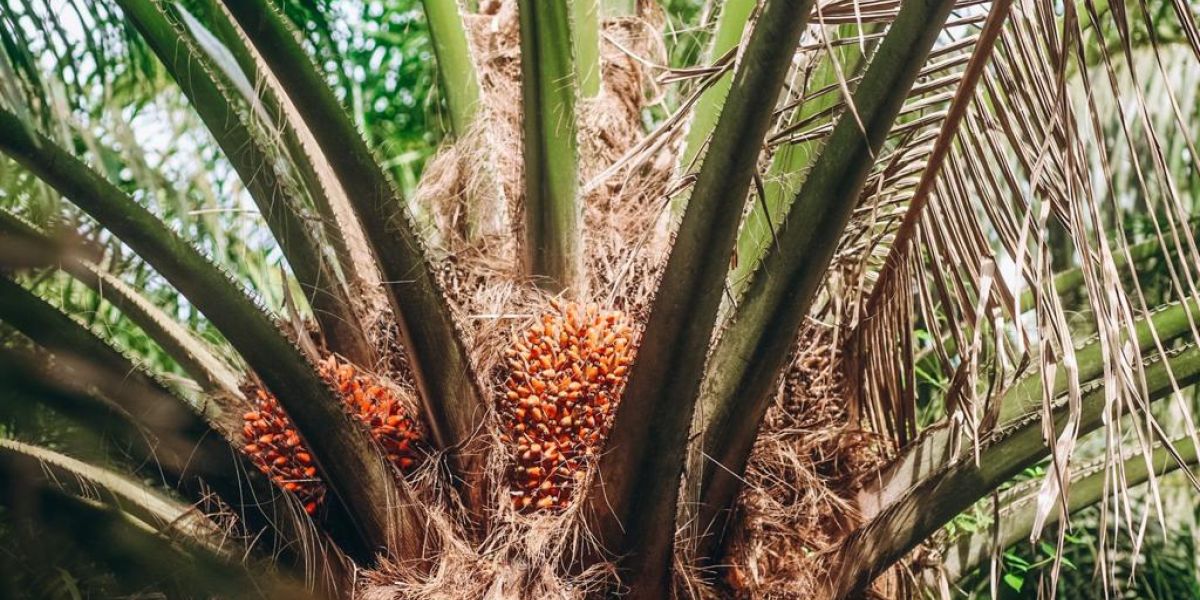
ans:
(339, 226)
(277, 198)
(936, 446)
(168, 433)
(134, 549)
(163, 513)
(29, 378)
(359, 477)
(635, 494)
(751, 354)
(21, 241)
(1011, 448)
(1018, 509)
(453, 404)
(274, 522)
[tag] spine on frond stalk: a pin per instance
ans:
(275, 447)
(565, 378)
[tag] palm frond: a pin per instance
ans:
(164, 514)
(636, 491)
(549, 85)
(750, 355)
(338, 224)
(353, 462)
(190, 444)
(1003, 453)
(937, 446)
(202, 80)
(22, 241)
(1018, 508)
(451, 399)
(968, 251)
(149, 552)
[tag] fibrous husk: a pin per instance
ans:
(484, 168)
(801, 479)
(801, 474)
(523, 555)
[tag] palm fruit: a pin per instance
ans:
(275, 447)
(564, 381)
(377, 406)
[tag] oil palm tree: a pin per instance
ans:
(540, 372)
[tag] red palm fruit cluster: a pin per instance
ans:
(276, 449)
(377, 406)
(565, 378)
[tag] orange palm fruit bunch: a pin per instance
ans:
(564, 382)
(275, 447)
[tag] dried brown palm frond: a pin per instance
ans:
(1019, 188)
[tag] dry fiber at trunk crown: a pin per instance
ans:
(275, 447)
(801, 478)
(565, 378)
(609, 126)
